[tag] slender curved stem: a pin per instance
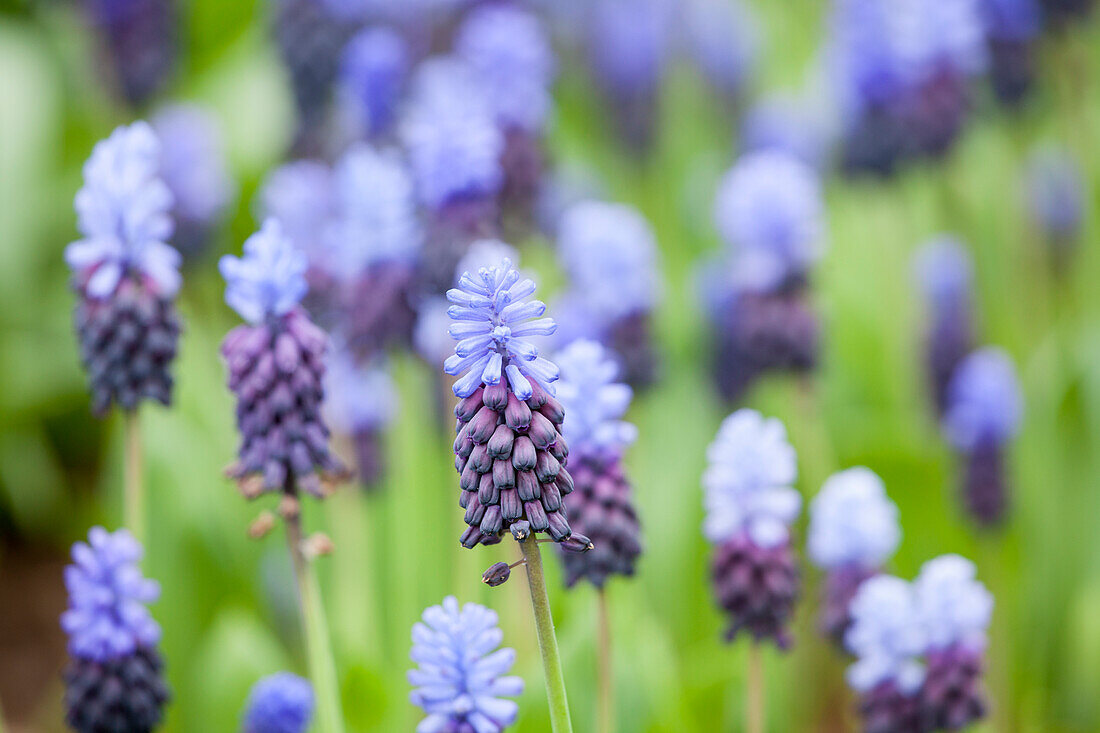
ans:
(754, 692)
(322, 667)
(133, 508)
(548, 643)
(605, 722)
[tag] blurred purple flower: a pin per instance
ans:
(594, 402)
(722, 38)
(269, 280)
(985, 404)
(301, 195)
(279, 703)
(1056, 194)
(852, 521)
(372, 77)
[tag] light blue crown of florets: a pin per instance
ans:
(853, 521)
(984, 401)
(269, 280)
(122, 211)
(376, 212)
(107, 617)
(193, 162)
(492, 320)
(955, 607)
(944, 272)
(461, 678)
(748, 482)
(373, 71)
(357, 397)
(594, 401)
(509, 51)
(451, 135)
(723, 39)
(1056, 192)
(279, 703)
(769, 209)
(887, 635)
(610, 254)
(629, 43)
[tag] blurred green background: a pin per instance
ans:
(228, 610)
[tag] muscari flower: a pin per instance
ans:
(301, 195)
(1056, 198)
(853, 531)
(984, 409)
(372, 76)
(125, 273)
(141, 39)
(360, 401)
(944, 273)
(193, 165)
(609, 252)
(1011, 28)
(114, 680)
(279, 703)
(509, 451)
(788, 123)
(722, 39)
(750, 505)
(601, 506)
(461, 677)
(276, 366)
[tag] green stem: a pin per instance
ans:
(548, 644)
(754, 692)
(133, 509)
(322, 668)
(605, 722)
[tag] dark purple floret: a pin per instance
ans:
(141, 38)
(757, 587)
(886, 709)
(840, 588)
(935, 113)
(984, 490)
(952, 696)
(275, 370)
(125, 693)
(377, 310)
(127, 343)
(948, 342)
(1012, 70)
(876, 144)
(764, 332)
(601, 508)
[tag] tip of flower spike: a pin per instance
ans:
(493, 320)
(269, 279)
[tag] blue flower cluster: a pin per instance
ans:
(193, 163)
(122, 211)
(722, 38)
(107, 616)
(301, 196)
(985, 404)
(594, 402)
(279, 703)
(852, 521)
(269, 280)
(372, 77)
(1056, 194)
(944, 272)
(461, 678)
(357, 397)
(492, 320)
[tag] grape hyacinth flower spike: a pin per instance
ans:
(461, 679)
(509, 450)
(372, 76)
(279, 703)
(360, 402)
(276, 368)
(141, 39)
(944, 273)
(1012, 28)
(984, 409)
(1056, 198)
(853, 531)
(114, 680)
(609, 252)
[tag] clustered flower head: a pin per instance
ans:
(509, 451)
(114, 678)
(461, 677)
(722, 39)
(984, 409)
(750, 504)
(609, 252)
(360, 401)
(795, 124)
(276, 366)
(125, 272)
(1011, 27)
(373, 72)
(919, 648)
(301, 195)
(141, 38)
(853, 531)
(601, 505)
(1056, 198)
(279, 703)
(944, 273)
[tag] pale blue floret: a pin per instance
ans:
(629, 43)
(794, 123)
(461, 675)
(985, 404)
(357, 397)
(123, 213)
(770, 211)
(376, 213)
(450, 133)
(852, 521)
(748, 482)
(944, 272)
(269, 280)
(887, 635)
(610, 253)
(507, 48)
(373, 72)
(594, 401)
(955, 608)
(279, 703)
(107, 617)
(493, 319)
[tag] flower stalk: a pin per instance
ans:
(548, 643)
(133, 509)
(754, 691)
(605, 721)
